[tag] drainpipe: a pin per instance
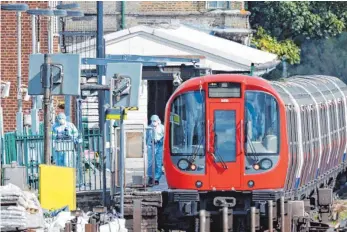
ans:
(284, 67)
(252, 69)
(123, 15)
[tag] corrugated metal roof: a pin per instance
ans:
(202, 43)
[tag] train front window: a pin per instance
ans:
(262, 130)
(225, 134)
(187, 130)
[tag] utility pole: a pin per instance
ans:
(19, 74)
(101, 95)
(46, 81)
(35, 125)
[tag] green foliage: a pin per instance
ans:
(319, 57)
(286, 48)
(324, 56)
(299, 20)
(317, 28)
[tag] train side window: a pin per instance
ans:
(296, 143)
(290, 142)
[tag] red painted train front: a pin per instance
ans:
(248, 140)
(205, 135)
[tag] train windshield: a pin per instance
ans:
(262, 124)
(187, 124)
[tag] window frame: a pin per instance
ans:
(208, 7)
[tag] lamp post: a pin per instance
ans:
(35, 125)
(18, 8)
(59, 12)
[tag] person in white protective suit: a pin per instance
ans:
(155, 136)
(65, 136)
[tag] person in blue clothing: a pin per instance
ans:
(64, 134)
(154, 141)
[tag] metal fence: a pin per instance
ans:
(27, 150)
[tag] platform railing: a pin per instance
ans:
(82, 154)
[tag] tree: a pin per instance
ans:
(299, 20)
(314, 27)
(285, 48)
(324, 56)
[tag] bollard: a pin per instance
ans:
(270, 215)
(202, 220)
(68, 227)
(137, 216)
(225, 219)
(253, 219)
(287, 218)
(91, 228)
(282, 211)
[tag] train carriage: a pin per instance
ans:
(239, 140)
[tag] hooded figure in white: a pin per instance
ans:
(155, 136)
(65, 135)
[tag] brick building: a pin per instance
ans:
(8, 56)
(223, 18)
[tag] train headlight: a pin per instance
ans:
(265, 164)
(256, 166)
(251, 183)
(193, 167)
(183, 164)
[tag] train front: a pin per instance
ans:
(225, 132)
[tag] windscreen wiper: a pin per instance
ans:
(197, 149)
(248, 139)
(219, 156)
(254, 152)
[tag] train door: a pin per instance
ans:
(226, 144)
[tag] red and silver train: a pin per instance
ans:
(240, 141)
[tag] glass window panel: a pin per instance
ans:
(134, 144)
(216, 4)
(225, 134)
(262, 123)
(187, 122)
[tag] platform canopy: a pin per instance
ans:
(182, 41)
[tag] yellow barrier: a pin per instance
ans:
(57, 187)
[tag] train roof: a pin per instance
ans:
(306, 89)
(310, 88)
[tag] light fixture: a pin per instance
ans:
(256, 166)
(198, 184)
(251, 183)
(265, 164)
(183, 164)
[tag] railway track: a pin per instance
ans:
(144, 212)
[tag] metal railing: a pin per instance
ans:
(28, 150)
